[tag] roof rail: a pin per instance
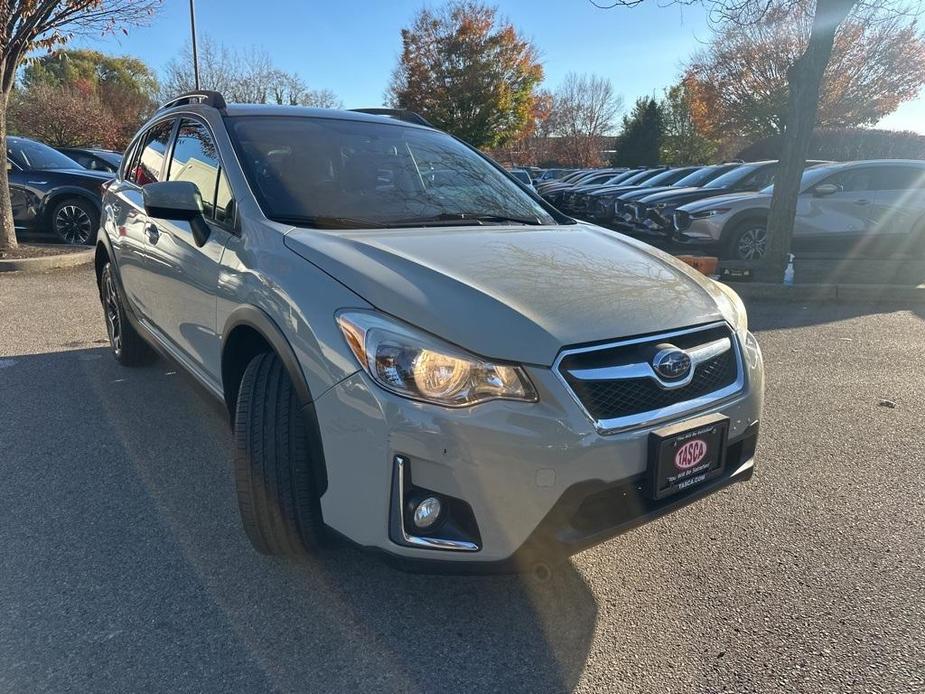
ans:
(397, 114)
(203, 96)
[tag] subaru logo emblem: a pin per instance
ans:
(671, 363)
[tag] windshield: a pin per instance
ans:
(700, 176)
(620, 177)
(663, 179)
(113, 158)
(34, 156)
(730, 178)
(638, 177)
(333, 173)
(810, 177)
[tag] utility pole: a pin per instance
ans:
(192, 25)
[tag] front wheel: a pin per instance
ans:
(75, 221)
(748, 241)
(277, 490)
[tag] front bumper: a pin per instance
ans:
(541, 481)
(703, 233)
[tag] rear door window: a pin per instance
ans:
(148, 166)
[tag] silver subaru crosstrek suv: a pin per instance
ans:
(416, 352)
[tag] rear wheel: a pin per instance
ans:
(128, 347)
(75, 221)
(748, 240)
(277, 492)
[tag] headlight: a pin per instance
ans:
(416, 365)
(704, 214)
(734, 311)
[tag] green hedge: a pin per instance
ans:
(846, 144)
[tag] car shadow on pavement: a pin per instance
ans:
(126, 565)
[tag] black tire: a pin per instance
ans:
(75, 221)
(748, 240)
(277, 493)
(128, 347)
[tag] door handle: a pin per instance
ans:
(153, 233)
(862, 201)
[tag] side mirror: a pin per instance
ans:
(826, 189)
(177, 201)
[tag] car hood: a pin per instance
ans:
(515, 293)
(732, 199)
(88, 174)
(643, 192)
(615, 190)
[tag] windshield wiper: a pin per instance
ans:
(463, 218)
(327, 222)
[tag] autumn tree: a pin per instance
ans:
(742, 75)
(643, 132)
(468, 72)
(684, 142)
(124, 88)
(584, 111)
(30, 25)
(804, 88)
(66, 115)
(534, 143)
(242, 75)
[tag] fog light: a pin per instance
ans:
(427, 512)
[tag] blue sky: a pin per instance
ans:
(351, 47)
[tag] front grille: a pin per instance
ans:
(611, 399)
(682, 220)
(628, 399)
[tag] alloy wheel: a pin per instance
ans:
(113, 315)
(752, 244)
(73, 225)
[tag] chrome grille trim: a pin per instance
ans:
(677, 410)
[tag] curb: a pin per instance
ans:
(853, 293)
(51, 262)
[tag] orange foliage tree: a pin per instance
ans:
(65, 115)
(740, 80)
(468, 72)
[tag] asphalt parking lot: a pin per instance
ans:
(124, 567)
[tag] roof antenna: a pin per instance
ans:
(192, 25)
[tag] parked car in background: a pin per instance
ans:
(552, 174)
(52, 193)
(522, 176)
(653, 214)
(423, 363)
(556, 194)
(570, 200)
(94, 159)
(567, 179)
(576, 201)
(856, 208)
(620, 216)
(603, 196)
